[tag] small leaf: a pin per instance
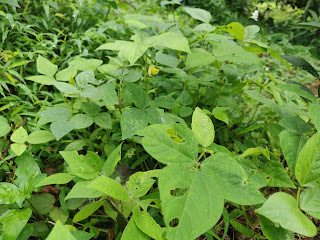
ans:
(110, 187)
(10, 194)
(57, 214)
(282, 208)
(19, 136)
(18, 148)
(40, 136)
(109, 93)
(58, 178)
(132, 121)
(82, 190)
(61, 128)
(242, 229)
(198, 14)
(81, 121)
(44, 66)
(54, 114)
(103, 120)
(42, 79)
(237, 30)
(202, 127)
(278, 175)
(91, 108)
(60, 232)
(43, 202)
(301, 63)
(133, 232)
(310, 201)
(66, 88)
(273, 231)
(295, 124)
(87, 211)
(139, 95)
(66, 74)
(314, 110)
(112, 161)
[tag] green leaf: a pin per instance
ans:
(87, 211)
(133, 232)
(132, 121)
(282, 208)
(42, 79)
(40, 136)
(218, 113)
(307, 170)
(273, 231)
(19, 136)
(191, 202)
(82, 235)
(27, 169)
(81, 121)
(237, 30)
(292, 148)
(103, 120)
(4, 128)
(310, 201)
(140, 183)
(202, 127)
(242, 229)
(278, 175)
(61, 128)
(91, 108)
(167, 60)
(147, 224)
(60, 232)
(44, 66)
(111, 188)
(167, 102)
(58, 178)
(315, 52)
(109, 93)
(199, 57)
(13, 3)
(159, 144)
(10, 194)
(43, 202)
(314, 110)
(54, 114)
(226, 173)
(295, 124)
(309, 24)
(85, 64)
(112, 161)
(198, 14)
(87, 167)
(296, 88)
(18, 148)
(81, 190)
(301, 63)
(171, 40)
(66, 88)
(86, 77)
(13, 221)
(57, 214)
(66, 74)
(139, 95)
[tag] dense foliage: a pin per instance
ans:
(152, 120)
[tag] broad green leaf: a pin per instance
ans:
(301, 63)
(112, 161)
(140, 183)
(57, 214)
(85, 64)
(109, 93)
(58, 178)
(218, 113)
(61, 128)
(91, 92)
(226, 173)
(111, 188)
(171, 40)
(252, 151)
(87, 211)
(314, 110)
(296, 88)
(198, 14)
(167, 60)
(307, 170)
(76, 145)
(13, 221)
(60, 232)
(40, 136)
(82, 235)
(44, 66)
(103, 120)
(278, 175)
(87, 167)
(315, 52)
(55, 114)
(237, 30)
(242, 229)
(27, 169)
(199, 57)
(139, 95)
(86, 77)
(66, 74)
(66, 88)
(13, 3)
(19, 136)
(18, 148)
(251, 31)
(26, 232)
(42, 79)
(191, 202)
(43, 202)
(148, 225)
(75, 203)
(282, 208)
(90, 108)
(185, 111)
(134, 75)
(292, 148)
(81, 121)
(204, 27)
(310, 201)
(202, 127)
(132, 121)
(167, 102)
(10, 193)
(82, 190)
(273, 231)
(295, 124)
(133, 232)
(160, 145)
(4, 128)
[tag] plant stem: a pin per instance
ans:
(146, 79)
(120, 86)
(298, 195)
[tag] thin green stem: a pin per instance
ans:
(201, 155)
(146, 78)
(298, 195)
(119, 92)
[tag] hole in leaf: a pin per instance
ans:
(174, 222)
(178, 192)
(175, 136)
(267, 178)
